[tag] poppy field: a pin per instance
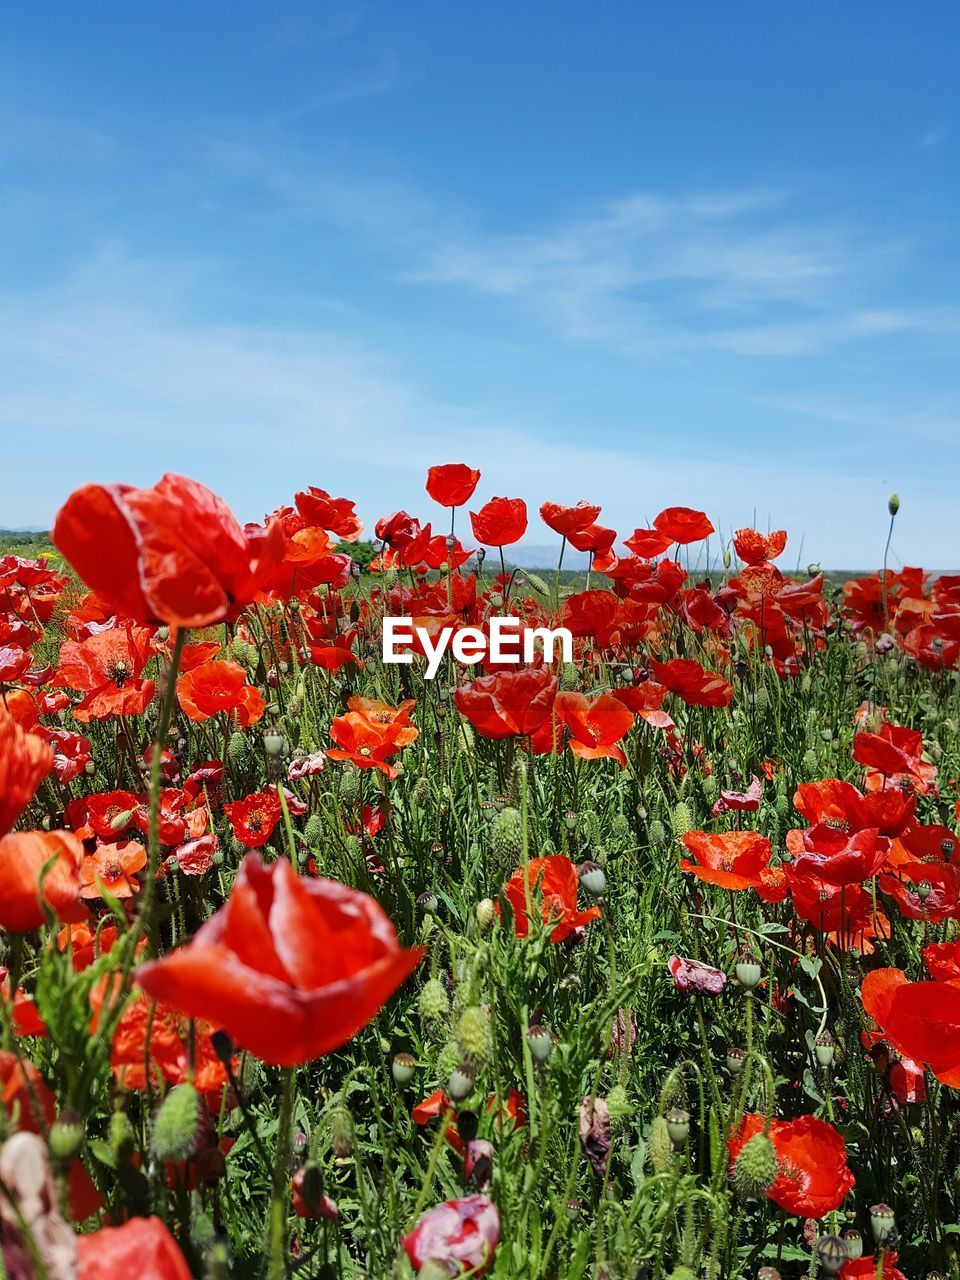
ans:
(644, 964)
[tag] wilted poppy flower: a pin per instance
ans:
(688, 680)
(142, 1247)
(740, 801)
(461, 1234)
(508, 703)
(72, 752)
(452, 484)
(371, 732)
(733, 860)
(683, 525)
(756, 548)
(500, 522)
(596, 725)
(107, 667)
(113, 867)
(173, 554)
(290, 967)
(216, 687)
(813, 1178)
(691, 975)
(23, 857)
(595, 1132)
(254, 818)
(567, 520)
(308, 1196)
(554, 883)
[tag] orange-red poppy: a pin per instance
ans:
(553, 883)
(219, 686)
(142, 1247)
(23, 859)
(452, 483)
(25, 760)
(596, 725)
(567, 520)
(254, 818)
(371, 732)
(291, 967)
(683, 525)
(500, 522)
(756, 548)
(108, 667)
(508, 704)
(173, 554)
(693, 683)
(733, 860)
(336, 515)
(813, 1178)
(113, 867)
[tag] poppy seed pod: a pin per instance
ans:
(824, 1048)
(403, 1067)
(461, 1082)
(678, 1126)
(273, 742)
(852, 1243)
(882, 1223)
(66, 1137)
(735, 1057)
(540, 1040)
(428, 903)
(831, 1254)
(593, 878)
(748, 970)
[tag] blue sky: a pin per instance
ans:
(641, 253)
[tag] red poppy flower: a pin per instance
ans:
(594, 538)
(13, 663)
(500, 522)
(733, 860)
(691, 682)
(72, 752)
(895, 753)
(943, 961)
(836, 858)
(107, 667)
(813, 1178)
(921, 1020)
(840, 805)
(596, 725)
(458, 1234)
(647, 543)
(452, 484)
(142, 1246)
(254, 818)
(23, 857)
(567, 520)
(173, 554)
(683, 525)
(309, 1202)
(371, 732)
(290, 967)
(219, 686)
(865, 1268)
(590, 613)
(757, 548)
(25, 760)
(336, 515)
(843, 913)
(114, 867)
(553, 882)
(645, 700)
(924, 891)
(508, 703)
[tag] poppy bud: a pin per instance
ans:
(681, 821)
(434, 1002)
(428, 903)
(831, 1254)
(893, 504)
(403, 1067)
(478, 1164)
(882, 1223)
(824, 1048)
(473, 1031)
(461, 1082)
(175, 1124)
(678, 1126)
(486, 912)
(748, 970)
(727, 558)
(618, 1104)
(66, 1137)
(341, 1132)
(593, 878)
(852, 1243)
(120, 821)
(755, 1168)
(481, 555)
(222, 1047)
(121, 1136)
(540, 1040)
(660, 1146)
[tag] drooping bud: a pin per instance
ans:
(341, 1131)
(175, 1124)
(755, 1167)
(434, 1002)
(473, 1033)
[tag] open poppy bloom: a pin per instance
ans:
(552, 882)
(500, 522)
(335, 515)
(108, 667)
(458, 1234)
(596, 725)
(840, 859)
(921, 1020)
(895, 754)
(732, 860)
(508, 703)
(254, 818)
(452, 484)
(813, 1178)
(142, 1246)
(690, 681)
(219, 686)
(371, 732)
(756, 548)
(25, 760)
(683, 525)
(290, 967)
(113, 868)
(567, 520)
(172, 554)
(647, 543)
